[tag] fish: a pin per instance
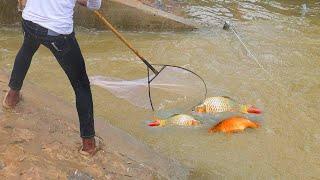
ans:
(233, 124)
(218, 104)
(176, 119)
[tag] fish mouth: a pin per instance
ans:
(254, 110)
(154, 123)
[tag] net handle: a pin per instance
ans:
(124, 40)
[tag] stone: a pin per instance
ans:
(2, 165)
(79, 175)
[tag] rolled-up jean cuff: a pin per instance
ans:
(88, 136)
(13, 88)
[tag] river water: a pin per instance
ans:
(284, 36)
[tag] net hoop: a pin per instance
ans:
(179, 67)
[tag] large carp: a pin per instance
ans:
(220, 104)
(177, 119)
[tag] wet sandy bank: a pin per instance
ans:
(40, 140)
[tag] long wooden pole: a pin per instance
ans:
(108, 25)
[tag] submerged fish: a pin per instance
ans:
(177, 119)
(220, 104)
(233, 124)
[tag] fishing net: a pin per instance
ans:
(165, 87)
(172, 87)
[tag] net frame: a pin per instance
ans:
(161, 69)
(149, 66)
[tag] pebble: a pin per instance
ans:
(78, 175)
(2, 165)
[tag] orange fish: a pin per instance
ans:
(233, 124)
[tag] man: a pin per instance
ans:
(50, 23)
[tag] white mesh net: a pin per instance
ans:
(172, 88)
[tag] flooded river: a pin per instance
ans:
(284, 36)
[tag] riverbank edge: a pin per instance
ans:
(133, 15)
(115, 140)
(129, 15)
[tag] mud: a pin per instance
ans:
(40, 141)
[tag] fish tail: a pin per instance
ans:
(212, 130)
(243, 108)
(157, 122)
(257, 124)
(254, 125)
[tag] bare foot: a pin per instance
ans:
(11, 99)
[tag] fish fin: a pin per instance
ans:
(195, 122)
(253, 109)
(200, 109)
(236, 131)
(212, 130)
(253, 124)
(256, 125)
(156, 119)
(228, 134)
(174, 114)
(228, 98)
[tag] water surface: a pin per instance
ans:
(285, 38)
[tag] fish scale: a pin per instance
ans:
(220, 104)
(177, 119)
(180, 119)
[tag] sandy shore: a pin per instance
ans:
(40, 140)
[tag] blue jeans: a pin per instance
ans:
(68, 54)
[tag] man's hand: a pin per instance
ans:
(21, 5)
(91, 4)
(82, 2)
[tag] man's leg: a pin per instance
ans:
(20, 69)
(69, 56)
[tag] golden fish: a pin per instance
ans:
(177, 119)
(233, 124)
(215, 105)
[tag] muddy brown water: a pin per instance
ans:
(285, 38)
